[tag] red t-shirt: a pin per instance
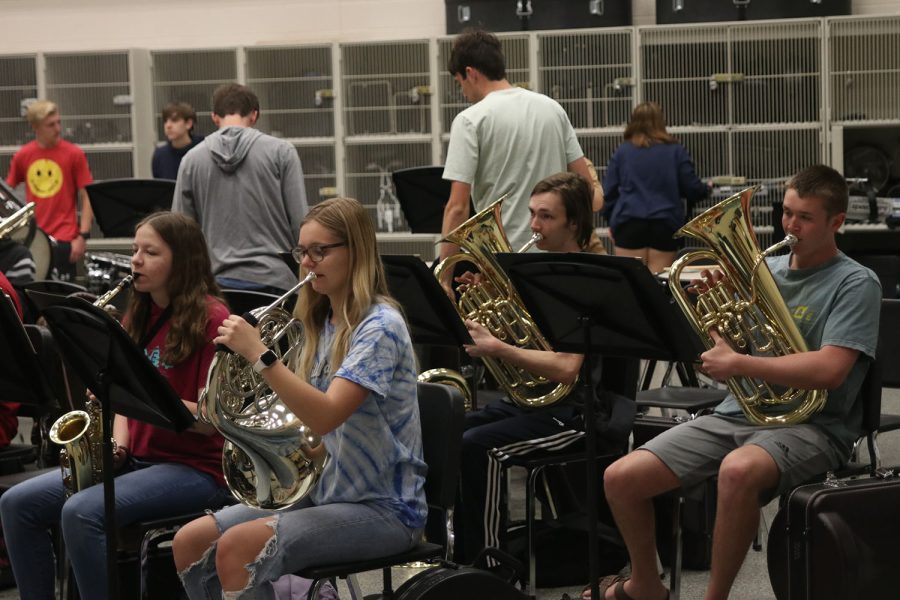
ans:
(153, 444)
(9, 423)
(52, 179)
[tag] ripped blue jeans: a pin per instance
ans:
(303, 537)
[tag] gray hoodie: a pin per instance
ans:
(245, 188)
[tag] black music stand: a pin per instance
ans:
(120, 204)
(432, 318)
(607, 305)
(21, 375)
(422, 193)
(123, 380)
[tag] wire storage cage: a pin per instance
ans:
(753, 101)
(18, 85)
(95, 99)
(387, 88)
(319, 176)
(295, 86)
(590, 74)
(864, 69)
(109, 164)
(781, 69)
(93, 92)
(191, 76)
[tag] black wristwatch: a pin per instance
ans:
(265, 360)
(85, 234)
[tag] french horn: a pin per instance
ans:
(271, 459)
(745, 307)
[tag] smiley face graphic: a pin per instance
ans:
(44, 178)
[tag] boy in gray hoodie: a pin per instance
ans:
(245, 189)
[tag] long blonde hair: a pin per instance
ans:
(348, 221)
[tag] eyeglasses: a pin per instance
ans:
(316, 253)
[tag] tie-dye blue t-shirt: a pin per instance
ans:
(376, 454)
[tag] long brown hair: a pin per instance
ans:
(190, 282)
(576, 194)
(648, 126)
(347, 220)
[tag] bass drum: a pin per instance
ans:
(41, 248)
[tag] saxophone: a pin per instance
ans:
(80, 432)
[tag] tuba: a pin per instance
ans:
(80, 432)
(745, 307)
(495, 304)
(270, 459)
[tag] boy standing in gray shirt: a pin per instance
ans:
(245, 189)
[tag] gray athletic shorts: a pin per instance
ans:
(695, 449)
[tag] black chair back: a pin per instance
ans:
(442, 414)
(889, 342)
(67, 389)
(870, 393)
(886, 267)
(243, 301)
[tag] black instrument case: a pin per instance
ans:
(838, 539)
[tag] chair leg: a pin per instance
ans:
(356, 592)
(675, 567)
(874, 454)
(530, 491)
(387, 583)
(450, 535)
(62, 569)
(760, 532)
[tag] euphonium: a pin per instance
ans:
(745, 307)
(270, 459)
(21, 218)
(80, 432)
(494, 303)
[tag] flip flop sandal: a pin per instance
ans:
(620, 594)
(604, 584)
